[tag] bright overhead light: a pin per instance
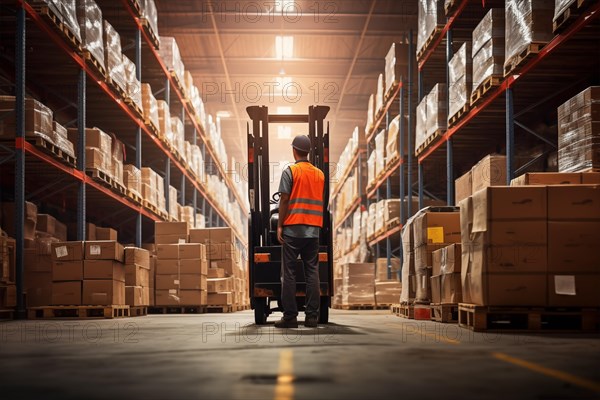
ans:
(281, 5)
(284, 47)
(284, 110)
(223, 114)
(284, 132)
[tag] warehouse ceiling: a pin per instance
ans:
(286, 55)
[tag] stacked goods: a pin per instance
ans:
(66, 11)
(181, 267)
(132, 179)
(153, 189)
(38, 119)
(150, 106)
(90, 20)
(134, 86)
(117, 157)
(446, 279)
(488, 47)
(164, 121)
(357, 230)
(379, 221)
(358, 284)
(393, 140)
(460, 74)
(349, 152)
(8, 290)
(489, 171)
(150, 17)
(115, 69)
(8, 220)
(178, 131)
(105, 234)
(371, 175)
(437, 112)
(186, 214)
(387, 290)
(556, 178)
(380, 153)
(173, 205)
(188, 83)
(379, 95)
(169, 52)
(60, 138)
(98, 150)
(421, 124)
(504, 243)
(560, 6)
(528, 22)
(382, 267)
(103, 273)
(396, 66)
(431, 19)
(67, 273)
(137, 277)
(579, 132)
(370, 115)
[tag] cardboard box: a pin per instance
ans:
(451, 259)
(547, 178)
(436, 227)
(171, 228)
(436, 289)
(192, 251)
(167, 251)
(381, 267)
(193, 297)
(216, 273)
(220, 251)
(103, 269)
(193, 282)
(106, 234)
(517, 233)
(46, 223)
(90, 231)
(590, 178)
(38, 287)
(136, 296)
(463, 187)
(219, 299)
(504, 289)
(424, 254)
(134, 255)
(167, 267)
(66, 293)
(573, 247)
(34, 262)
(67, 271)
(67, 251)
(490, 171)
(221, 235)
(103, 292)
(570, 202)
(216, 285)
(229, 266)
(451, 288)
(166, 282)
(168, 297)
(179, 238)
(497, 203)
(193, 267)
(199, 235)
(573, 290)
(104, 250)
(137, 275)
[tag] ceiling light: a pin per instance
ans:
(284, 132)
(281, 5)
(284, 47)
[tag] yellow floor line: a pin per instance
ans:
(285, 376)
(560, 375)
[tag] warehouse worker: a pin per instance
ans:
(300, 222)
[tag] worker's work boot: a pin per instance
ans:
(287, 323)
(310, 322)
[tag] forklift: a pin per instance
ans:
(264, 250)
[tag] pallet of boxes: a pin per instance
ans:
(357, 286)
(431, 229)
(387, 282)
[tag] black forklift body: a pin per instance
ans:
(264, 250)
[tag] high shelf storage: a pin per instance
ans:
(48, 63)
(516, 114)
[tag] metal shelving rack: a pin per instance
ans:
(566, 65)
(39, 176)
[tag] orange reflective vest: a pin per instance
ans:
(306, 199)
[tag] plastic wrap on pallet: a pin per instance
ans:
(371, 167)
(38, 119)
(431, 15)
(59, 130)
(134, 87)
(422, 28)
(64, 145)
(396, 65)
(560, 6)
(527, 21)
(173, 209)
(164, 121)
(421, 123)
(371, 220)
(437, 113)
(379, 216)
(356, 227)
(380, 152)
(90, 20)
(460, 73)
(150, 105)
(370, 115)
(178, 134)
(186, 214)
(150, 14)
(118, 156)
(393, 138)
(132, 179)
(188, 82)
(379, 95)
(169, 52)
(490, 27)
(68, 9)
(115, 69)
(488, 62)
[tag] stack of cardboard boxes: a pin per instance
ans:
(488, 48)
(446, 286)
(137, 277)
(150, 106)
(153, 189)
(103, 273)
(358, 284)
(387, 290)
(8, 290)
(89, 16)
(490, 171)
(115, 69)
(460, 75)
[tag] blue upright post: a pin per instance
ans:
(20, 158)
(449, 150)
(401, 146)
(168, 160)
(138, 134)
(194, 191)
(411, 144)
(81, 123)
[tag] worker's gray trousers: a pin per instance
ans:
(308, 249)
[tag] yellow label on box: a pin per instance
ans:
(435, 234)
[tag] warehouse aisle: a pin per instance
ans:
(363, 354)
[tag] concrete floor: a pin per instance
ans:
(361, 355)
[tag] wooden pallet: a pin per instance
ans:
(528, 319)
(138, 311)
(153, 36)
(363, 307)
(54, 150)
(78, 312)
(429, 140)
(444, 312)
(153, 128)
(417, 312)
(151, 207)
(49, 14)
(395, 309)
(391, 224)
(405, 311)
(570, 14)
(7, 315)
(227, 308)
(484, 88)
(193, 309)
(101, 177)
(116, 88)
(430, 39)
(392, 161)
(91, 60)
(512, 65)
(178, 83)
(136, 198)
(134, 106)
(458, 115)
(388, 95)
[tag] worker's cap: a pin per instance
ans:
(301, 143)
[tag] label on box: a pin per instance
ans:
(95, 250)
(181, 241)
(61, 251)
(435, 234)
(565, 284)
(176, 282)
